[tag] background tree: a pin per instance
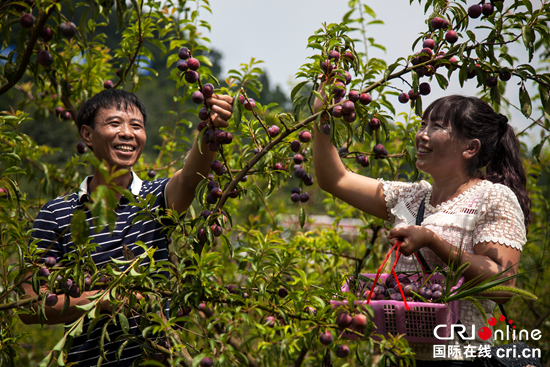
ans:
(259, 293)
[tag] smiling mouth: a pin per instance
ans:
(125, 148)
(423, 150)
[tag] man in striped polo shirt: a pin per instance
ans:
(112, 124)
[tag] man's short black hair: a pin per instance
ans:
(105, 99)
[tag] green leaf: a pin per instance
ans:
(124, 325)
(442, 81)
(296, 89)
(302, 217)
(525, 101)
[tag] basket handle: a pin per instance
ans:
(395, 247)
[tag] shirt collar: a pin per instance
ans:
(84, 189)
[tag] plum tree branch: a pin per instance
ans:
(28, 51)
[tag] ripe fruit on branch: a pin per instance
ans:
(273, 131)
(270, 321)
(44, 58)
(413, 96)
(325, 128)
(193, 63)
(295, 197)
(207, 90)
(304, 197)
(333, 54)
(428, 43)
(504, 75)
(374, 124)
(295, 146)
(197, 97)
(403, 98)
(214, 146)
(3, 192)
(74, 291)
(348, 56)
(379, 150)
(304, 136)
(337, 111)
(206, 362)
(216, 229)
(439, 23)
(250, 104)
(220, 136)
(67, 29)
(298, 158)
(343, 320)
(348, 107)
(347, 77)
(191, 76)
(353, 95)
(26, 20)
(51, 300)
(183, 53)
(474, 11)
(108, 84)
(66, 115)
(50, 261)
(342, 351)
(308, 181)
(81, 148)
(487, 9)
(362, 160)
(283, 292)
(203, 115)
(451, 36)
(46, 34)
(151, 173)
(326, 338)
(359, 322)
(339, 89)
(350, 117)
(216, 165)
(365, 99)
(491, 81)
(424, 88)
(43, 272)
(182, 65)
(278, 167)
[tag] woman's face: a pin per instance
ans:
(439, 152)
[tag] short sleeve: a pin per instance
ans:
(46, 230)
(501, 219)
(396, 192)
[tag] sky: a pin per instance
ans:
(276, 31)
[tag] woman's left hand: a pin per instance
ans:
(413, 238)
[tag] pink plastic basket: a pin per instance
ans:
(418, 322)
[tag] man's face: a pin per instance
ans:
(118, 136)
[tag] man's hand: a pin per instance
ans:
(221, 109)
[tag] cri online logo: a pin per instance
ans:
(485, 333)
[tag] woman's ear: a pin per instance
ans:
(472, 148)
(86, 135)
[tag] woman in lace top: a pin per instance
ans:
(469, 217)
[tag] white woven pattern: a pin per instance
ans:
(486, 212)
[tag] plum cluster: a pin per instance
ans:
(66, 284)
(299, 171)
(413, 290)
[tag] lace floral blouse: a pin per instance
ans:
(486, 212)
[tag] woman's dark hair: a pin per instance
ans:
(473, 118)
(108, 98)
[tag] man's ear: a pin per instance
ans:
(86, 135)
(472, 148)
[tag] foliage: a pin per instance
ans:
(232, 283)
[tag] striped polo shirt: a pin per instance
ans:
(52, 228)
